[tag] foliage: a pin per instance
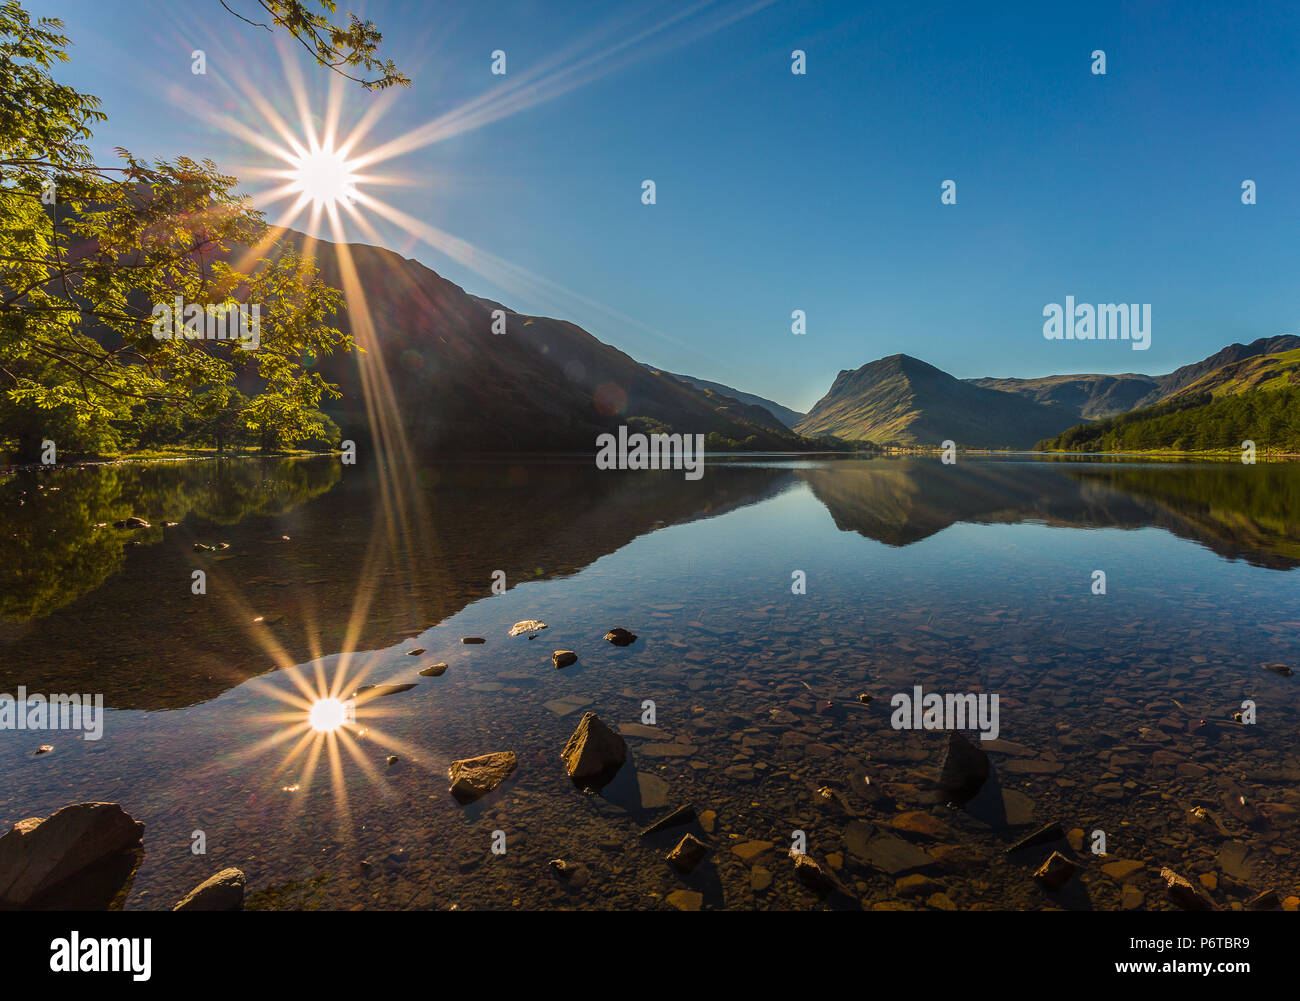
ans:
(88, 251)
(1197, 422)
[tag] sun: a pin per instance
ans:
(327, 715)
(324, 177)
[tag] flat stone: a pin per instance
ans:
(475, 777)
(653, 790)
(672, 750)
(686, 900)
(1233, 861)
(379, 691)
(892, 855)
(562, 707)
(641, 730)
(1031, 766)
(1045, 835)
(679, 817)
(759, 879)
(1122, 870)
(1018, 807)
(434, 671)
(527, 626)
(924, 824)
(747, 851)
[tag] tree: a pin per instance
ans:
(88, 254)
(335, 47)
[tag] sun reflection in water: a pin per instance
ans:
(328, 714)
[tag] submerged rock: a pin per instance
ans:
(681, 816)
(964, 769)
(810, 873)
(686, 900)
(1043, 836)
(1183, 893)
(687, 854)
(620, 637)
(1055, 872)
(378, 691)
(37, 855)
(222, 892)
(594, 753)
(527, 626)
(475, 777)
(1280, 669)
(563, 658)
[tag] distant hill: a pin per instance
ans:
(1255, 398)
(1092, 397)
(786, 417)
(1087, 397)
(906, 401)
(434, 369)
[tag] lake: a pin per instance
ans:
(1115, 709)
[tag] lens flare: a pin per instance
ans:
(327, 715)
(325, 177)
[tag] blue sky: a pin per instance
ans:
(821, 192)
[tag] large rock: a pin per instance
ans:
(1055, 872)
(1183, 893)
(964, 769)
(688, 853)
(594, 752)
(475, 777)
(38, 855)
(222, 892)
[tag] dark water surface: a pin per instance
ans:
(1115, 710)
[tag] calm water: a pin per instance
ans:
(973, 578)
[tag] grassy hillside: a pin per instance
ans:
(1092, 397)
(785, 417)
(1195, 421)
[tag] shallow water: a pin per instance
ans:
(974, 578)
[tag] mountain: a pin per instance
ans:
(1256, 398)
(785, 417)
(1183, 377)
(1093, 397)
(1087, 397)
(903, 400)
(433, 369)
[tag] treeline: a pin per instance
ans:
(1198, 423)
